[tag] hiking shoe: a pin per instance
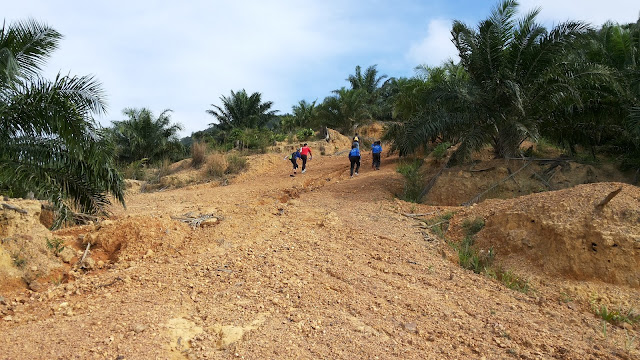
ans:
(356, 173)
(303, 171)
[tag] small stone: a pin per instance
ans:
(209, 222)
(100, 264)
(66, 254)
(627, 326)
(7, 318)
(36, 286)
(138, 328)
(410, 327)
(149, 253)
(34, 268)
(88, 263)
(3, 301)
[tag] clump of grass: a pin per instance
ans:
(440, 150)
(413, 180)
(481, 262)
(235, 164)
(617, 316)
(198, 154)
(216, 165)
(164, 169)
(471, 259)
(440, 224)
(56, 245)
(472, 227)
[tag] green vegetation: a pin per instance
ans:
(413, 180)
(235, 163)
(439, 225)
(56, 245)
(51, 145)
(617, 316)
(143, 137)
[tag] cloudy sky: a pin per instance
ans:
(184, 55)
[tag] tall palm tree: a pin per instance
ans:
(305, 113)
(51, 145)
(519, 75)
(143, 137)
(241, 110)
(345, 110)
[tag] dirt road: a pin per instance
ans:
(319, 266)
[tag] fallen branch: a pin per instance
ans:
(480, 170)
(479, 196)
(86, 251)
(417, 215)
(195, 221)
(608, 198)
(14, 208)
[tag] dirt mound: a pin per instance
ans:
(564, 233)
(131, 237)
(372, 131)
(24, 254)
(506, 179)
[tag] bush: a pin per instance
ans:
(198, 154)
(216, 165)
(472, 227)
(441, 150)
(235, 164)
(135, 170)
(304, 134)
(413, 180)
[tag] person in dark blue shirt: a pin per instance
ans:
(376, 151)
(294, 160)
(354, 157)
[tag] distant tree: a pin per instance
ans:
(143, 137)
(241, 110)
(50, 144)
(345, 110)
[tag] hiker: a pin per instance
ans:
(354, 157)
(356, 141)
(304, 152)
(376, 151)
(294, 160)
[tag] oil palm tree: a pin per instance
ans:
(241, 110)
(345, 110)
(519, 75)
(143, 137)
(51, 145)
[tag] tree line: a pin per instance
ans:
(573, 85)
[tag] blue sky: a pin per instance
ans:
(184, 55)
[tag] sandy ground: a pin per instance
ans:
(317, 266)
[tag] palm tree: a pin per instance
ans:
(305, 113)
(345, 110)
(242, 111)
(519, 75)
(51, 145)
(143, 137)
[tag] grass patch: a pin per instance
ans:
(235, 164)
(198, 154)
(481, 262)
(617, 316)
(216, 165)
(440, 224)
(414, 181)
(441, 150)
(56, 245)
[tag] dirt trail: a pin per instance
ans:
(319, 266)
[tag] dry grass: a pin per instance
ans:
(198, 154)
(216, 165)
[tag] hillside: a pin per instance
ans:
(325, 266)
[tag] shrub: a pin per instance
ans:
(216, 165)
(135, 170)
(235, 164)
(412, 191)
(472, 227)
(304, 134)
(617, 316)
(440, 150)
(164, 169)
(56, 245)
(198, 154)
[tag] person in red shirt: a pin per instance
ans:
(304, 152)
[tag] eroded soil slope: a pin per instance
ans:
(315, 266)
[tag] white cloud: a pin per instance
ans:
(595, 12)
(435, 47)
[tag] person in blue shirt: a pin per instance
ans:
(294, 160)
(376, 151)
(354, 157)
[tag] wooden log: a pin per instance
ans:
(606, 200)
